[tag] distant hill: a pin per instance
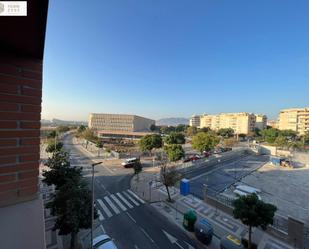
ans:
(62, 122)
(172, 121)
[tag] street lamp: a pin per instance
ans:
(92, 200)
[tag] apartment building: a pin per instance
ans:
(260, 121)
(241, 123)
(21, 58)
(273, 123)
(195, 121)
(296, 119)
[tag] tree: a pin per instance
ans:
(152, 127)
(181, 128)
(253, 213)
(270, 135)
(81, 129)
(63, 128)
(52, 134)
(169, 177)
(175, 138)
(204, 141)
(60, 170)
(72, 205)
(229, 142)
(204, 129)
(89, 135)
(306, 138)
(72, 200)
(174, 152)
(281, 141)
(289, 134)
(137, 167)
(167, 129)
(191, 131)
(99, 145)
(149, 142)
(226, 132)
(53, 146)
(257, 132)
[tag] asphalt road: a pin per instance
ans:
(130, 221)
(222, 175)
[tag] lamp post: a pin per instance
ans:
(92, 202)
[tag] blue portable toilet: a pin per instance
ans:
(185, 186)
(275, 160)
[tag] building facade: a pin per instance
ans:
(260, 121)
(119, 122)
(21, 65)
(241, 123)
(296, 119)
(195, 121)
(273, 123)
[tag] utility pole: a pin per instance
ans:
(92, 202)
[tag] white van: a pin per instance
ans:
(128, 163)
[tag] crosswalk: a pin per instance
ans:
(116, 203)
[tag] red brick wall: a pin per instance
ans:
(20, 114)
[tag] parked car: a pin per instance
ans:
(103, 242)
(187, 159)
(195, 157)
(206, 153)
(217, 150)
(130, 162)
(225, 149)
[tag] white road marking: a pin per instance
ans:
(106, 210)
(189, 246)
(147, 235)
(135, 246)
(124, 200)
(172, 239)
(85, 150)
(100, 215)
(131, 199)
(103, 230)
(142, 201)
(131, 217)
(118, 203)
(116, 210)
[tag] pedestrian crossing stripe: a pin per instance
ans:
(101, 217)
(111, 204)
(142, 201)
(104, 207)
(131, 199)
(116, 203)
(124, 200)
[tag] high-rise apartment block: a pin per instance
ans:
(241, 123)
(296, 119)
(195, 121)
(260, 121)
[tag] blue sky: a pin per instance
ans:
(175, 58)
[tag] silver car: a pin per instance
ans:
(103, 242)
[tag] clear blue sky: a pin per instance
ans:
(174, 58)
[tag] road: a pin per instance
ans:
(222, 175)
(130, 221)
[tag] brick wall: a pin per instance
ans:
(20, 114)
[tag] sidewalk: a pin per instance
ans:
(148, 187)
